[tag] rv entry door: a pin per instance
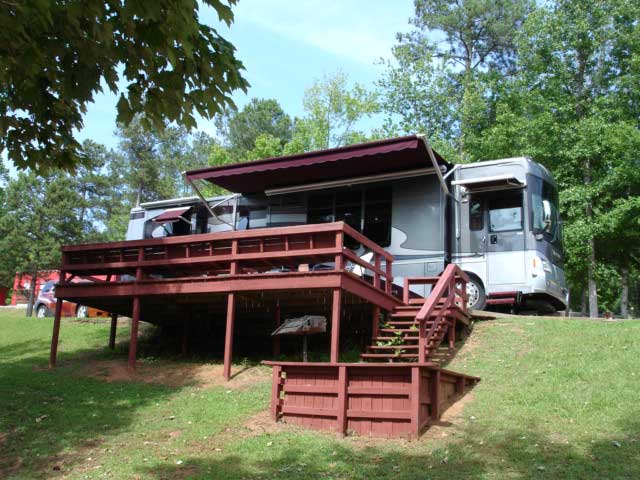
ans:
(505, 240)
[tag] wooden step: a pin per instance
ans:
(408, 313)
(388, 330)
(392, 347)
(388, 355)
(407, 322)
(388, 339)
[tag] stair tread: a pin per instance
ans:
(392, 347)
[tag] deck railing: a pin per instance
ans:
(450, 290)
(249, 252)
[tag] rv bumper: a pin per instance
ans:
(548, 279)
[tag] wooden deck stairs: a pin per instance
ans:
(422, 330)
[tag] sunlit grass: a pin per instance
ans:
(558, 399)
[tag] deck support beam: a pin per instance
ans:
(133, 342)
(112, 332)
(434, 394)
(228, 335)
(336, 312)
(375, 323)
(56, 334)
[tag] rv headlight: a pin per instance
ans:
(539, 266)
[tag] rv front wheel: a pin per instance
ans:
(476, 296)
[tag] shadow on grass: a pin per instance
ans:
(49, 416)
(511, 454)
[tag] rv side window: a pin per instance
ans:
(476, 215)
(505, 212)
(377, 215)
(349, 211)
(320, 209)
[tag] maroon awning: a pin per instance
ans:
(382, 156)
(171, 215)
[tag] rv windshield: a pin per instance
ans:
(545, 213)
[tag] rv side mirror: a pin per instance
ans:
(546, 214)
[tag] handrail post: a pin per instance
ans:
(339, 260)
(376, 275)
(139, 267)
(233, 268)
(422, 343)
(405, 291)
(388, 284)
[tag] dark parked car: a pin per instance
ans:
(45, 305)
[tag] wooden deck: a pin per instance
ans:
(387, 400)
(170, 280)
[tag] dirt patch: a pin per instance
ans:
(175, 374)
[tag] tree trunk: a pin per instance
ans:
(624, 296)
(592, 289)
(583, 303)
(32, 293)
(591, 266)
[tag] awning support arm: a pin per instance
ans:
(432, 157)
(206, 204)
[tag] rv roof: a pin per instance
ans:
(381, 156)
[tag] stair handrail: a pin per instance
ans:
(445, 285)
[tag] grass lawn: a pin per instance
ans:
(558, 399)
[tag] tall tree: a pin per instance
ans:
(55, 56)
(39, 216)
(333, 111)
(443, 80)
(572, 108)
(240, 129)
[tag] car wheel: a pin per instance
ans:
(82, 311)
(476, 296)
(42, 311)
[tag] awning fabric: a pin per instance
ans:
(489, 183)
(171, 215)
(382, 156)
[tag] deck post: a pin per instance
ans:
(56, 333)
(341, 420)
(422, 342)
(452, 334)
(112, 332)
(133, 342)
(375, 323)
(228, 335)
(276, 339)
(416, 376)
(405, 291)
(275, 392)
(434, 393)
(335, 324)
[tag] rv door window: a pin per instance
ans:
(476, 215)
(505, 212)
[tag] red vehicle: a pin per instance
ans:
(45, 305)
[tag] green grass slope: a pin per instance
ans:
(558, 399)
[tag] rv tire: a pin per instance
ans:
(477, 297)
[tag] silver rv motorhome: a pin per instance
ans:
(498, 220)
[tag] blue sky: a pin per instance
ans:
(285, 45)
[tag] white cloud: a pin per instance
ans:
(360, 30)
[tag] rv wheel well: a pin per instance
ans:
(476, 278)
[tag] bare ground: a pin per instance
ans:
(174, 374)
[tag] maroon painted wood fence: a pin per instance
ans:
(388, 400)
